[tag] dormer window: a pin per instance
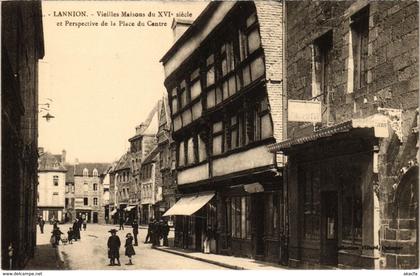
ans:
(95, 172)
(85, 172)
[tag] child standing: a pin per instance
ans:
(70, 235)
(129, 249)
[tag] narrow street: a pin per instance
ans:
(91, 251)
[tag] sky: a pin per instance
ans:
(101, 82)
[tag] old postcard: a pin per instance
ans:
(225, 135)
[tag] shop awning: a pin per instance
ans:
(128, 208)
(378, 122)
(113, 212)
(190, 204)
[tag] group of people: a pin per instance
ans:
(72, 234)
(157, 231)
(114, 244)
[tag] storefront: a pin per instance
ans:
(195, 222)
(336, 198)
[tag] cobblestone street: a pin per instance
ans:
(91, 251)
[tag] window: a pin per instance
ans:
(272, 210)
(95, 186)
(190, 151)
(85, 172)
(351, 204)
(239, 217)
(55, 180)
(95, 172)
(174, 100)
(321, 64)
(309, 176)
(95, 201)
(85, 187)
(85, 201)
(217, 147)
(359, 47)
(66, 202)
(67, 188)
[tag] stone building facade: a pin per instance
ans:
(51, 186)
(88, 191)
(352, 198)
(22, 46)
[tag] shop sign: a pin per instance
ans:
(253, 188)
(378, 122)
(304, 111)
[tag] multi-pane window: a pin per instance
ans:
(351, 204)
(191, 151)
(360, 36)
(321, 64)
(217, 145)
(309, 177)
(239, 212)
(55, 180)
(95, 186)
(95, 201)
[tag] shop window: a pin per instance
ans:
(351, 205)
(239, 217)
(310, 177)
(217, 138)
(272, 210)
(55, 180)
(359, 47)
(321, 64)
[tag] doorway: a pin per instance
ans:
(329, 218)
(95, 217)
(259, 225)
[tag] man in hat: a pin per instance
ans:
(135, 226)
(114, 244)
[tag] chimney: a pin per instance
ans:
(63, 156)
(179, 26)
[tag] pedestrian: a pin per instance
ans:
(41, 225)
(121, 220)
(84, 224)
(114, 244)
(70, 235)
(155, 233)
(57, 234)
(149, 232)
(135, 226)
(165, 233)
(76, 231)
(129, 249)
(80, 222)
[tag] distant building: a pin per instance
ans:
(151, 192)
(88, 191)
(51, 186)
(140, 146)
(122, 185)
(22, 45)
(70, 211)
(167, 159)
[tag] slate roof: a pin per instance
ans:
(123, 163)
(50, 162)
(101, 167)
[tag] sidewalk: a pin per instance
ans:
(222, 260)
(46, 257)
